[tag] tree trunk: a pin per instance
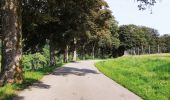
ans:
(131, 51)
(83, 52)
(138, 51)
(98, 52)
(33, 65)
(52, 54)
(75, 50)
(11, 42)
(102, 53)
(93, 55)
(142, 50)
(158, 49)
(66, 54)
(134, 51)
(149, 49)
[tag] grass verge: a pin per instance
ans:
(8, 91)
(148, 76)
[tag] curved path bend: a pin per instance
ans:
(76, 81)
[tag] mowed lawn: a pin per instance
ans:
(147, 76)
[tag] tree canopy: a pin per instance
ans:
(76, 28)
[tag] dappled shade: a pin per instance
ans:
(73, 71)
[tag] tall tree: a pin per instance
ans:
(165, 43)
(11, 42)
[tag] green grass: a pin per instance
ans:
(148, 76)
(8, 91)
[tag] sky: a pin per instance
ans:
(127, 12)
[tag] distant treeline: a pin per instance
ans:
(139, 40)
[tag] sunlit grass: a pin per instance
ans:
(148, 76)
(8, 91)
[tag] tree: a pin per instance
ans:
(165, 43)
(151, 39)
(61, 24)
(41, 27)
(128, 36)
(144, 4)
(12, 42)
(140, 39)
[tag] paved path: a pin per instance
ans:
(76, 81)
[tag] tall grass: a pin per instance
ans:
(148, 76)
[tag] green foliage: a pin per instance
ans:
(164, 42)
(31, 74)
(40, 58)
(147, 76)
(145, 4)
(36, 60)
(89, 21)
(46, 53)
(88, 56)
(27, 59)
(138, 40)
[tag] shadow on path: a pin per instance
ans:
(73, 71)
(41, 85)
(18, 98)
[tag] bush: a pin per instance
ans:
(34, 61)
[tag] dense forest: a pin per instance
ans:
(42, 32)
